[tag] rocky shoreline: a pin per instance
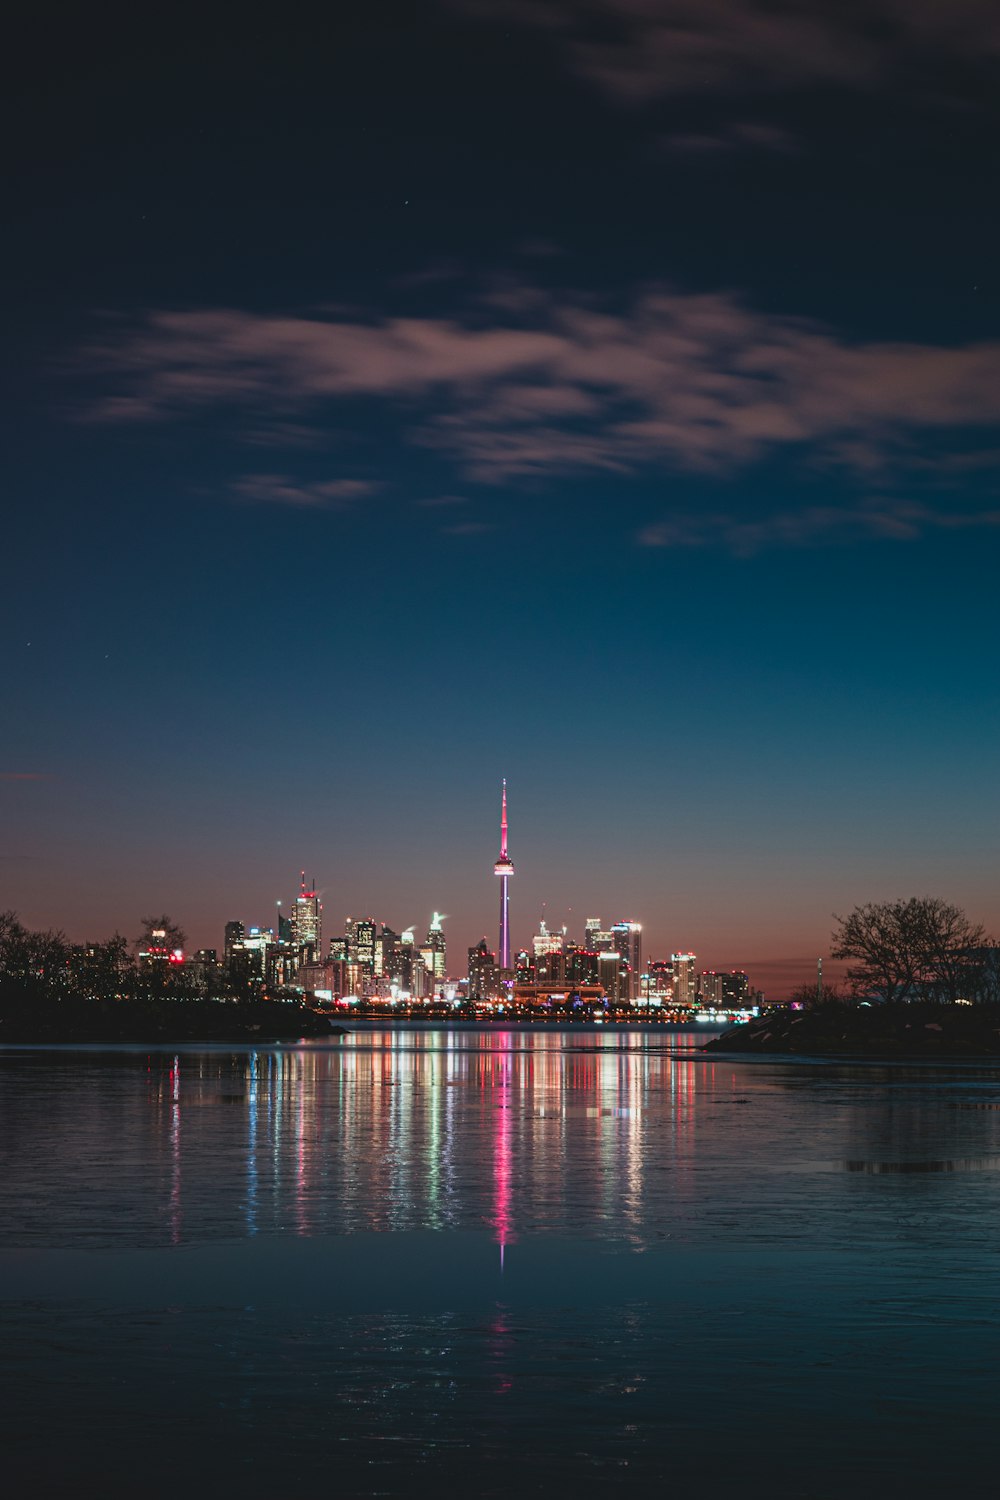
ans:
(876, 1031)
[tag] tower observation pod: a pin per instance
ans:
(505, 869)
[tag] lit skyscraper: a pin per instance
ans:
(685, 979)
(307, 920)
(434, 950)
(505, 869)
(363, 945)
(627, 941)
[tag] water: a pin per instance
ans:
(490, 1263)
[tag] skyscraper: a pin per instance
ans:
(505, 869)
(627, 942)
(307, 922)
(685, 979)
(363, 945)
(434, 950)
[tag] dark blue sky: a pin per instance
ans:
(400, 401)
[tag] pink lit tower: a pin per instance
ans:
(505, 869)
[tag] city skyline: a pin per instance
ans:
(301, 921)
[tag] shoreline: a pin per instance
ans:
(903, 1032)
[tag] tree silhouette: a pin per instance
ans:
(161, 932)
(901, 950)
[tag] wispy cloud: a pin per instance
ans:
(697, 382)
(280, 489)
(745, 135)
(636, 51)
(813, 526)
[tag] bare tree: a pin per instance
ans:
(905, 949)
(161, 932)
(37, 958)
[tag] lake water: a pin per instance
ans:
(491, 1263)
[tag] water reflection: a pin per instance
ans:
(521, 1133)
(964, 1164)
(477, 1263)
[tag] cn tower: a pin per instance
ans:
(505, 869)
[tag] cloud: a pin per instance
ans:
(636, 51)
(24, 776)
(740, 136)
(812, 526)
(278, 434)
(467, 528)
(672, 381)
(279, 489)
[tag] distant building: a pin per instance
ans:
(735, 990)
(610, 976)
(483, 978)
(685, 978)
(627, 941)
(307, 924)
(581, 966)
(204, 969)
(658, 982)
(710, 987)
(234, 935)
(248, 956)
(545, 941)
(524, 969)
(435, 951)
(362, 945)
(559, 997)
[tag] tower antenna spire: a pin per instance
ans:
(504, 868)
(503, 821)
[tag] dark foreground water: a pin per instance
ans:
(491, 1264)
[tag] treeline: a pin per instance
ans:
(54, 990)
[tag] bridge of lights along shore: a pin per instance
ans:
(505, 869)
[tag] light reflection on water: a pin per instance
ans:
(559, 1261)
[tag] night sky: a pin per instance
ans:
(600, 393)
